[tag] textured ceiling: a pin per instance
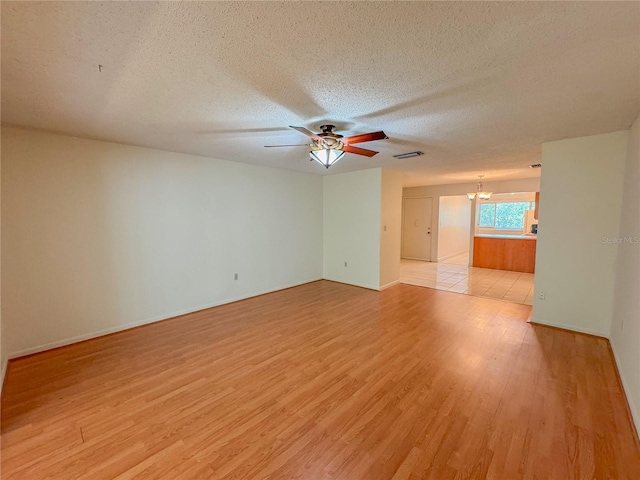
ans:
(476, 86)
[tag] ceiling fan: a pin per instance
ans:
(328, 147)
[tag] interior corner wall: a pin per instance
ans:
(390, 227)
(580, 202)
(98, 237)
(625, 325)
(351, 215)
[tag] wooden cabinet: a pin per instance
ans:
(518, 255)
(535, 212)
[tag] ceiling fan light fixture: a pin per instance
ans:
(326, 156)
(329, 147)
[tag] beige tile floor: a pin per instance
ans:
(462, 259)
(513, 287)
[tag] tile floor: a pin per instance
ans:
(513, 287)
(462, 259)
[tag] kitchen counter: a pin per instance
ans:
(525, 236)
(516, 253)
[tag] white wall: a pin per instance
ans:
(625, 325)
(502, 186)
(352, 227)
(98, 236)
(580, 202)
(438, 191)
(390, 228)
(454, 226)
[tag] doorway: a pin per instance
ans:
(416, 228)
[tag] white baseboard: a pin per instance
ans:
(412, 258)
(127, 326)
(345, 282)
(573, 328)
(440, 259)
(635, 413)
(391, 284)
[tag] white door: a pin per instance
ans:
(416, 228)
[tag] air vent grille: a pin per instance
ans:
(535, 165)
(408, 155)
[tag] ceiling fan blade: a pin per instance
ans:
(365, 137)
(308, 133)
(296, 145)
(359, 151)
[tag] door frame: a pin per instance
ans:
(402, 227)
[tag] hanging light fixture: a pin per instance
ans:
(326, 156)
(482, 195)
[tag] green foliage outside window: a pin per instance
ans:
(487, 215)
(504, 215)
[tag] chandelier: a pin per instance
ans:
(482, 195)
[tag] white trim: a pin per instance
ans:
(635, 413)
(390, 284)
(572, 328)
(353, 284)
(119, 328)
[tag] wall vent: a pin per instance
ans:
(535, 165)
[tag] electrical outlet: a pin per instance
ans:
(235, 276)
(542, 295)
(345, 264)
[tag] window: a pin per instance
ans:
(487, 215)
(504, 215)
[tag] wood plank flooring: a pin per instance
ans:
(324, 381)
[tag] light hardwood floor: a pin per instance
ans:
(324, 381)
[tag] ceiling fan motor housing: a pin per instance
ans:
(327, 130)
